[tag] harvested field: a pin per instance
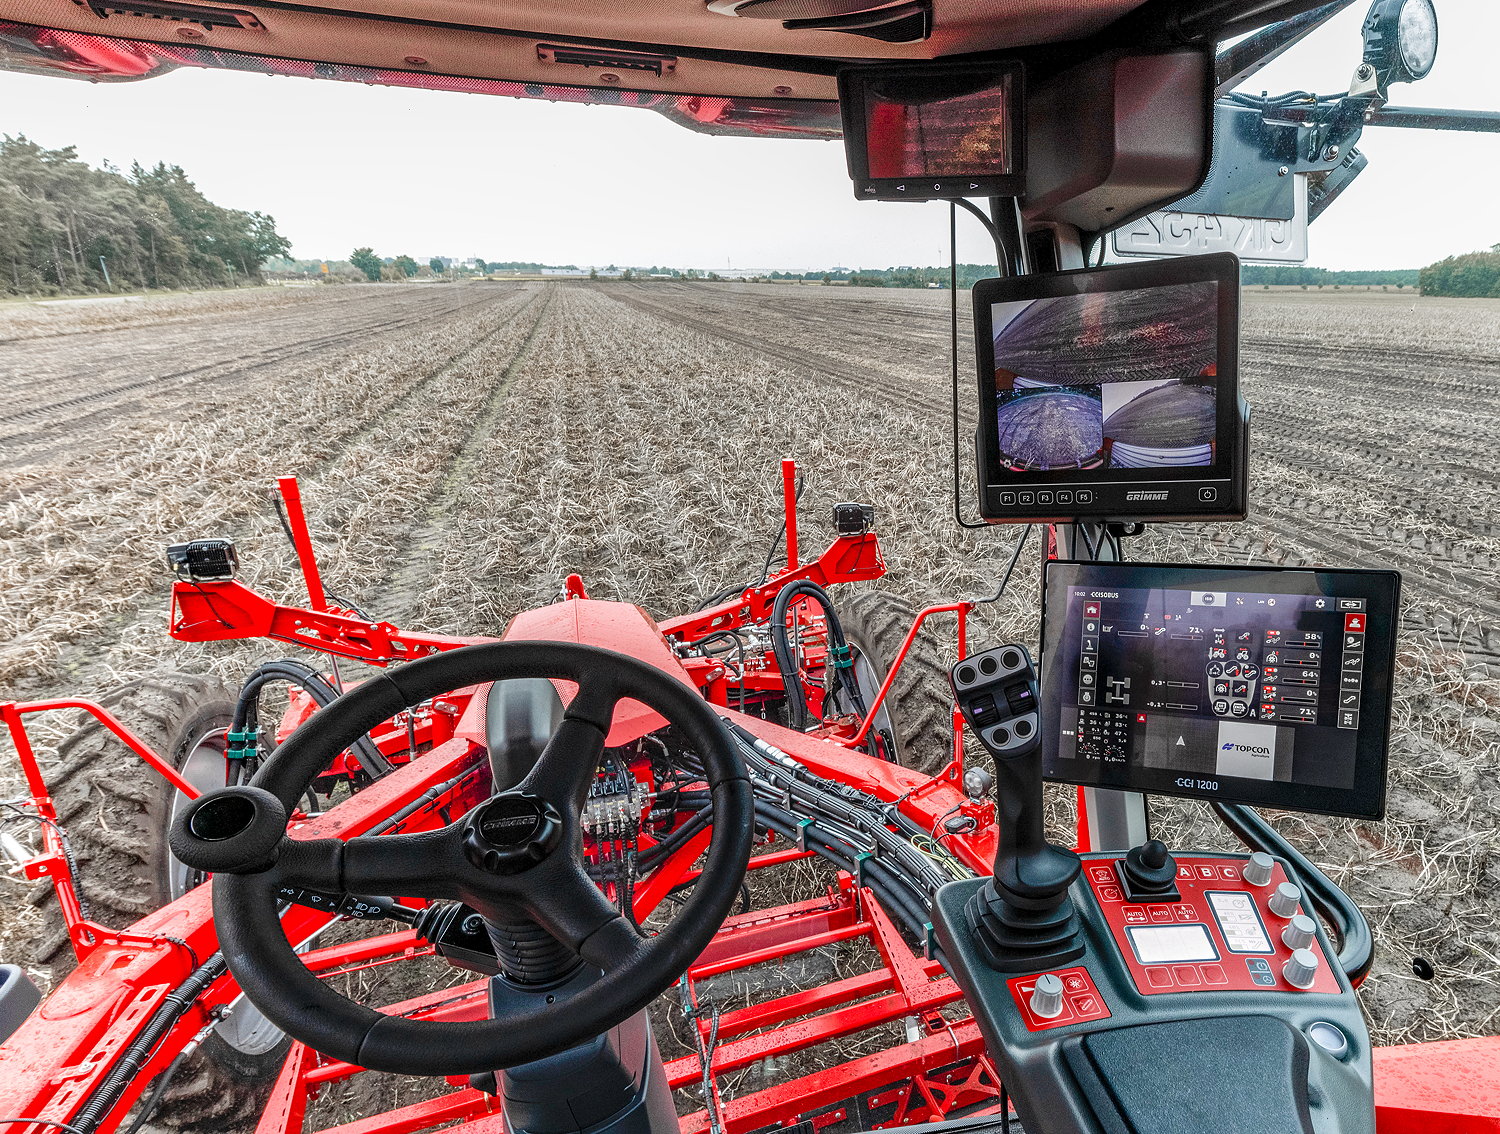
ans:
(462, 448)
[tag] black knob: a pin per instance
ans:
(230, 830)
(1150, 873)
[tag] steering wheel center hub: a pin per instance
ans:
(512, 832)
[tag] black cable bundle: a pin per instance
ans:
(293, 672)
(847, 685)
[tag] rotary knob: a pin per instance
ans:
(1299, 932)
(1285, 901)
(1257, 870)
(1046, 997)
(1300, 969)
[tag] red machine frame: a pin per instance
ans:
(61, 1054)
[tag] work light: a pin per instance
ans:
(1401, 39)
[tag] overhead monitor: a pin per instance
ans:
(1112, 393)
(1262, 685)
(915, 132)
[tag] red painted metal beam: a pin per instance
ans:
(769, 1013)
(286, 1109)
(456, 1107)
(778, 952)
(785, 927)
(1449, 1087)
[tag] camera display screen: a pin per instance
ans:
(915, 132)
(1111, 392)
(1111, 379)
(1268, 686)
(926, 130)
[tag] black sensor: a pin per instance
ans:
(203, 560)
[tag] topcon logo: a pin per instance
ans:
(1251, 749)
(1139, 495)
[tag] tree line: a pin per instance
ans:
(1473, 274)
(67, 227)
(1290, 275)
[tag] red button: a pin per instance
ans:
(1184, 872)
(1091, 609)
(1214, 974)
(1230, 872)
(1075, 983)
(1186, 913)
(1354, 623)
(1159, 977)
(1101, 873)
(1161, 913)
(1140, 718)
(1086, 1004)
(1110, 894)
(1187, 976)
(1135, 915)
(1207, 872)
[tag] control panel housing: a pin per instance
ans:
(1177, 1016)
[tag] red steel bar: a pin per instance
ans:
(12, 712)
(961, 609)
(778, 952)
(460, 1105)
(296, 518)
(789, 505)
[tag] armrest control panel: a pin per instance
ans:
(1198, 977)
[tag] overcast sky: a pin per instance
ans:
(428, 173)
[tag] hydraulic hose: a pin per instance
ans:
(838, 652)
(293, 672)
(1356, 944)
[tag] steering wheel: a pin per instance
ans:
(518, 855)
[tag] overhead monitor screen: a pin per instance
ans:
(920, 131)
(1268, 686)
(1112, 392)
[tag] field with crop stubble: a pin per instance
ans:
(463, 447)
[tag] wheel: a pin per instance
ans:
(917, 715)
(116, 812)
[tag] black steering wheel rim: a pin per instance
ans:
(273, 976)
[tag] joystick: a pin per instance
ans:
(1148, 873)
(1022, 919)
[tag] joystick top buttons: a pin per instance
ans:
(1299, 932)
(1046, 997)
(1257, 871)
(1285, 900)
(1300, 969)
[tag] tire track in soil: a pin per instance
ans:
(229, 368)
(897, 390)
(352, 440)
(123, 346)
(73, 425)
(80, 660)
(402, 584)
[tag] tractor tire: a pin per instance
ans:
(116, 813)
(918, 711)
